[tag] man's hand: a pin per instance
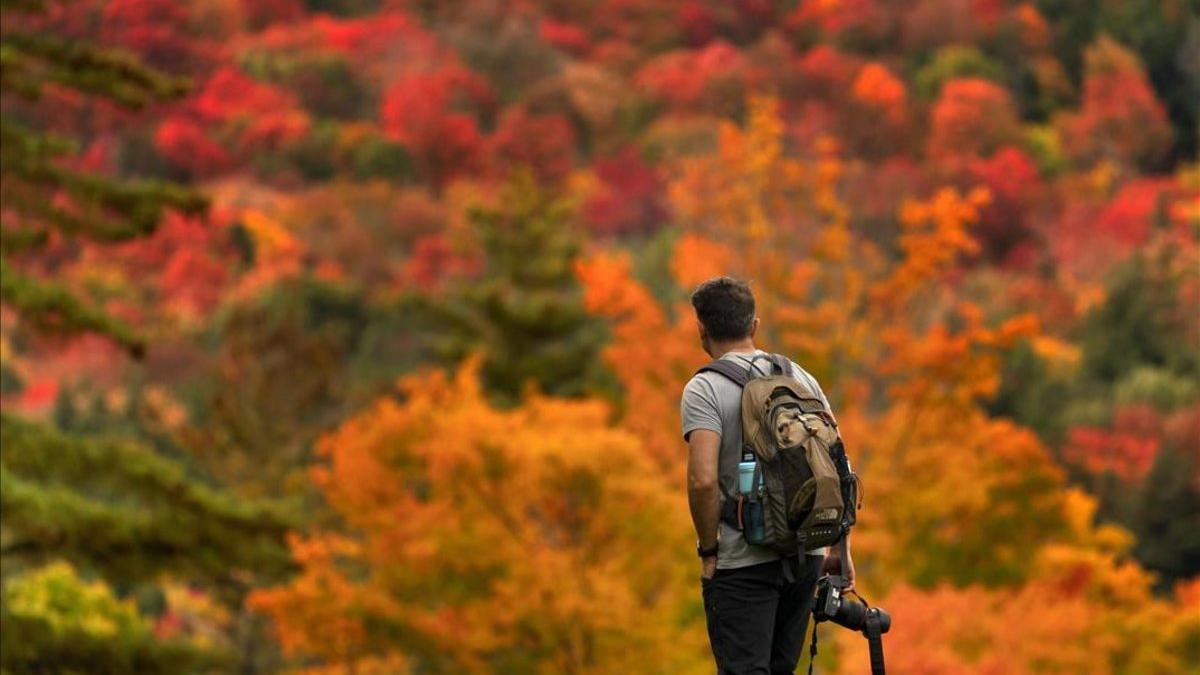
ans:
(839, 561)
(708, 567)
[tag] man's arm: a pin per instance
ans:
(840, 561)
(702, 431)
(704, 500)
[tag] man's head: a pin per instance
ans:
(725, 312)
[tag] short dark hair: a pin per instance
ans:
(726, 308)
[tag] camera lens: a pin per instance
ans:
(885, 619)
(851, 614)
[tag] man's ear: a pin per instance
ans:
(754, 327)
(700, 327)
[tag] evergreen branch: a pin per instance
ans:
(53, 308)
(120, 505)
(27, 167)
(15, 75)
(36, 207)
(115, 75)
(21, 146)
(14, 239)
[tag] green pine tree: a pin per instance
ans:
(525, 315)
(117, 512)
(41, 195)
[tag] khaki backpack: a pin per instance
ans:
(804, 495)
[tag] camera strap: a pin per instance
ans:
(812, 649)
(874, 642)
(874, 633)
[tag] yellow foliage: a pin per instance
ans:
(1059, 355)
(58, 596)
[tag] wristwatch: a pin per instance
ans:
(707, 552)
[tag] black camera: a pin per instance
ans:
(833, 605)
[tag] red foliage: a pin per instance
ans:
(1089, 240)
(265, 114)
(826, 72)
(168, 625)
(1121, 118)
(230, 114)
(546, 143)
(832, 17)
(698, 23)
(192, 282)
(882, 188)
(1126, 448)
(378, 47)
(38, 396)
(1128, 217)
(434, 260)
(369, 36)
(972, 118)
(1015, 185)
(567, 37)
(687, 79)
(630, 198)
(156, 30)
(187, 261)
(988, 13)
(185, 143)
(420, 112)
(1182, 431)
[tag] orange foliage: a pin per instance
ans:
(876, 87)
(1032, 28)
(649, 354)
(535, 537)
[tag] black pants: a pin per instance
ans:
(757, 619)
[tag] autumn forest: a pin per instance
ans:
(348, 336)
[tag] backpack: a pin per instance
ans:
(803, 494)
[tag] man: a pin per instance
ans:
(756, 603)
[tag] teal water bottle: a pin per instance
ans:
(753, 524)
(746, 472)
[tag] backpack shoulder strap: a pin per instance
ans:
(740, 376)
(783, 363)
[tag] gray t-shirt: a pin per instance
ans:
(711, 401)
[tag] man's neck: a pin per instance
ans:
(740, 347)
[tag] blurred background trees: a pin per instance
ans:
(409, 281)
